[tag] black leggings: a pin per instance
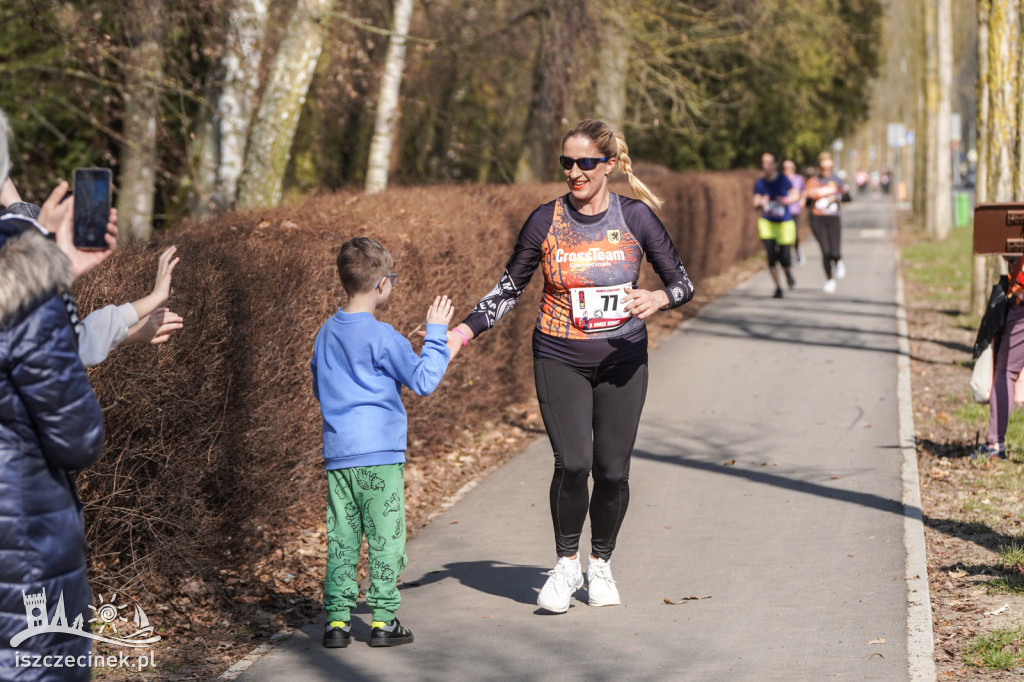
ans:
(777, 253)
(591, 415)
(828, 231)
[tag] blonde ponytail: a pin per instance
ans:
(640, 190)
(613, 145)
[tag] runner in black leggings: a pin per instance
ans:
(589, 345)
(592, 414)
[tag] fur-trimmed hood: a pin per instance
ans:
(32, 268)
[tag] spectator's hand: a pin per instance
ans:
(54, 209)
(165, 266)
(82, 261)
(155, 328)
(440, 311)
(641, 303)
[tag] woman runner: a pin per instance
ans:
(589, 344)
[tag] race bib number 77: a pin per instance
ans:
(598, 309)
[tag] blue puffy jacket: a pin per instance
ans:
(50, 424)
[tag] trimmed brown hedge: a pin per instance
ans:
(214, 438)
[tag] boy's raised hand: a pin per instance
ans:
(440, 311)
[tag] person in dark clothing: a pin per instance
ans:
(774, 195)
(50, 425)
(589, 344)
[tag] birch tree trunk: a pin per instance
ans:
(270, 142)
(387, 102)
(980, 264)
(941, 181)
(219, 148)
(143, 73)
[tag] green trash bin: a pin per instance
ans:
(963, 209)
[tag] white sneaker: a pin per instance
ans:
(840, 270)
(800, 257)
(565, 578)
(600, 584)
(830, 287)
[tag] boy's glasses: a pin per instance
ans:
(392, 277)
(586, 164)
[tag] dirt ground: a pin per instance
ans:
(968, 512)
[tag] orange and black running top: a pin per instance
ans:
(588, 262)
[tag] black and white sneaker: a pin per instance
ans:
(987, 452)
(337, 634)
(389, 634)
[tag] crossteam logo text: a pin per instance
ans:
(590, 256)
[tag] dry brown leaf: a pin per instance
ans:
(729, 463)
(877, 640)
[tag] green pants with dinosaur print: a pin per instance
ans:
(366, 501)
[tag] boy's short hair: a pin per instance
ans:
(361, 263)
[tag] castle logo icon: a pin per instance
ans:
(108, 615)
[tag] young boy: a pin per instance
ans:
(359, 366)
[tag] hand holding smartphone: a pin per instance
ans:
(92, 194)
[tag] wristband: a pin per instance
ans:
(465, 339)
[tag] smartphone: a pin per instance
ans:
(92, 207)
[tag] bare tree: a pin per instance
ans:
(613, 58)
(1000, 121)
(270, 142)
(980, 264)
(561, 23)
(939, 30)
(387, 100)
(143, 73)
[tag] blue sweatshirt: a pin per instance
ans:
(359, 366)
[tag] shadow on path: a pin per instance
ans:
(869, 500)
(509, 581)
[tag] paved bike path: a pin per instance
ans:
(767, 477)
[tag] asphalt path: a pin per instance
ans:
(770, 478)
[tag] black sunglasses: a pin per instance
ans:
(585, 164)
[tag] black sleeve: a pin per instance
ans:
(518, 271)
(661, 253)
